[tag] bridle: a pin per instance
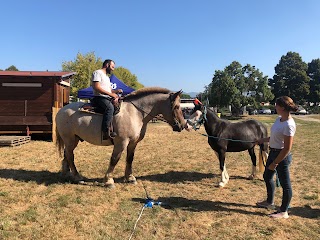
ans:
(176, 122)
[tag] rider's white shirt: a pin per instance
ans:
(100, 76)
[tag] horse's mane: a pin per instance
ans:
(146, 91)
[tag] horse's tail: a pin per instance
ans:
(263, 153)
(59, 143)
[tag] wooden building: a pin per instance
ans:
(29, 100)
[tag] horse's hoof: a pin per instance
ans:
(131, 179)
(221, 184)
(251, 177)
(110, 185)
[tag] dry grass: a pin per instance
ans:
(178, 168)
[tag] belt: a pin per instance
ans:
(275, 149)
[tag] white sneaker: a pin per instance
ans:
(284, 215)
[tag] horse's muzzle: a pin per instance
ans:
(177, 127)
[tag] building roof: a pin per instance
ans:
(37, 73)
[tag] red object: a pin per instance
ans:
(197, 102)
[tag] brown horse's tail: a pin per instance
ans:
(263, 153)
(59, 143)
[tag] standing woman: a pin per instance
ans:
(280, 143)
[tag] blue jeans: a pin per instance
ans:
(105, 106)
(284, 178)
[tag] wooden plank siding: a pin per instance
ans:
(26, 101)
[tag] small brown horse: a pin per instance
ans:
(130, 124)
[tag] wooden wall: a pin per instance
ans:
(22, 106)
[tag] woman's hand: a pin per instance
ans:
(273, 166)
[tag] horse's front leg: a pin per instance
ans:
(130, 155)
(254, 164)
(116, 154)
(224, 174)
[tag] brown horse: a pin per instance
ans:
(130, 124)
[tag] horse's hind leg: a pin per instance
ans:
(68, 161)
(254, 163)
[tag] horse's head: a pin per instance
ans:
(176, 120)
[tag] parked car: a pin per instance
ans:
(265, 111)
(301, 111)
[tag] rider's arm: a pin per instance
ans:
(96, 86)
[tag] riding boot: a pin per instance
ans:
(111, 134)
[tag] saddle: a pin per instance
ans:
(90, 108)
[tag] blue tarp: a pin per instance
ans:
(115, 84)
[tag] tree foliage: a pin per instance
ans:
(238, 86)
(291, 78)
(85, 65)
(127, 77)
(314, 76)
(12, 68)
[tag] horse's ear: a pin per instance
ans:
(173, 96)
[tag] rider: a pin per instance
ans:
(104, 97)
(195, 114)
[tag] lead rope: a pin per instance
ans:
(149, 203)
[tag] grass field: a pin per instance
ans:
(179, 169)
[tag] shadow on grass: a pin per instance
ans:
(40, 177)
(305, 212)
(194, 205)
(178, 177)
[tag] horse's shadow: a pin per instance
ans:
(40, 177)
(196, 205)
(49, 178)
(179, 177)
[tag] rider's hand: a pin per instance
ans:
(115, 100)
(119, 91)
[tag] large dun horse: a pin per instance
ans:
(225, 136)
(130, 124)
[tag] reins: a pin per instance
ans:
(157, 116)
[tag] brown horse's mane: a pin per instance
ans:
(145, 91)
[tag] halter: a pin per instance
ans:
(203, 118)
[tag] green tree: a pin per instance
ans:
(291, 78)
(238, 86)
(127, 77)
(314, 75)
(83, 65)
(12, 68)
(185, 96)
(222, 90)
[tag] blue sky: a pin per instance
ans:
(177, 44)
